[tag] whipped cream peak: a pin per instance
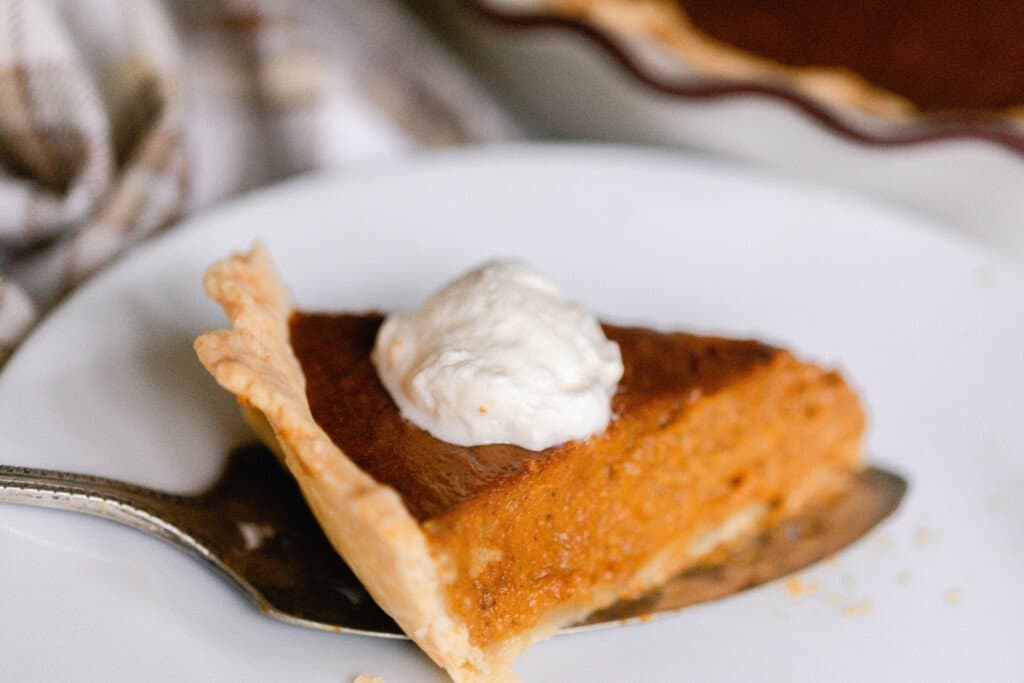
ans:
(498, 356)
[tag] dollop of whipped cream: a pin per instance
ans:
(498, 356)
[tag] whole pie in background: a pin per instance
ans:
(884, 58)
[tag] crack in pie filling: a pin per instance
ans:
(477, 551)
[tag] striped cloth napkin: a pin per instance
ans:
(119, 116)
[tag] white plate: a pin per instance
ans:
(928, 328)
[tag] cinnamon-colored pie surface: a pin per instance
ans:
(478, 551)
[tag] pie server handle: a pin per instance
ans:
(253, 527)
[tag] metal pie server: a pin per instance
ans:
(255, 529)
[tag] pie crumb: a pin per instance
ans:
(798, 588)
(953, 596)
(857, 610)
(366, 678)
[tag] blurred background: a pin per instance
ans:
(119, 117)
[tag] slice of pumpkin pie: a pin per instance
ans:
(497, 465)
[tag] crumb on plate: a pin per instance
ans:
(857, 609)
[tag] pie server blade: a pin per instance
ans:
(255, 529)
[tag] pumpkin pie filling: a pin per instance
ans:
(711, 438)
